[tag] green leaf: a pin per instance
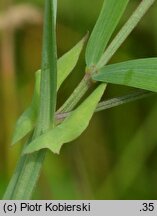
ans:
(27, 120)
(71, 127)
(68, 61)
(140, 73)
(109, 17)
(65, 65)
(124, 32)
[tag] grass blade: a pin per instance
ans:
(109, 17)
(124, 32)
(141, 73)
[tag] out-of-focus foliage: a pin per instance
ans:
(116, 156)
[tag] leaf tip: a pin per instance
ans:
(85, 38)
(13, 141)
(16, 137)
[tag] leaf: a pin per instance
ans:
(65, 65)
(124, 32)
(71, 127)
(108, 19)
(69, 60)
(27, 120)
(140, 73)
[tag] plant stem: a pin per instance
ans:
(124, 32)
(86, 82)
(77, 94)
(123, 100)
(28, 169)
(25, 177)
(107, 104)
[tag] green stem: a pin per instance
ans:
(77, 94)
(124, 32)
(107, 104)
(123, 100)
(28, 169)
(82, 88)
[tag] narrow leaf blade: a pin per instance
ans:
(124, 32)
(140, 73)
(110, 14)
(71, 127)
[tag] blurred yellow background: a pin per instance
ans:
(115, 158)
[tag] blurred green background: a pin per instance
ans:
(116, 157)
